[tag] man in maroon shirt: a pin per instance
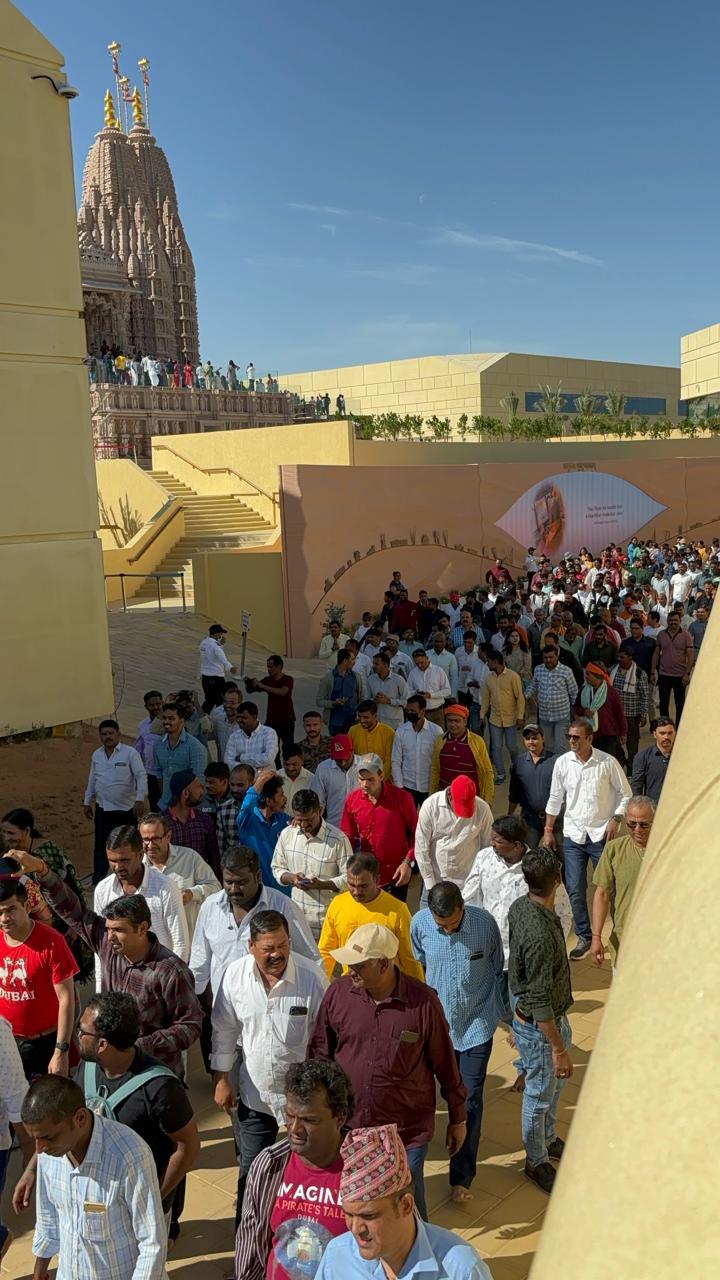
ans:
(381, 818)
(389, 1034)
(189, 826)
(280, 714)
(672, 662)
(405, 614)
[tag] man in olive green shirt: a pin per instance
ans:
(618, 871)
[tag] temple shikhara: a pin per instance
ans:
(137, 268)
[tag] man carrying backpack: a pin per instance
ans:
(122, 1083)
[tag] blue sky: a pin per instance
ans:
(399, 178)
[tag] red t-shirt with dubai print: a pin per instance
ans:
(27, 976)
(305, 1217)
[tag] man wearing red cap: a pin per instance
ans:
(452, 825)
(336, 777)
(459, 752)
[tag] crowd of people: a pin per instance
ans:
(250, 892)
(113, 365)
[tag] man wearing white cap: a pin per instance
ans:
(389, 1034)
(382, 817)
(384, 1226)
(452, 825)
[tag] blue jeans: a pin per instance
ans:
(542, 1087)
(498, 737)
(416, 1160)
(576, 858)
(555, 734)
(473, 1064)
(475, 724)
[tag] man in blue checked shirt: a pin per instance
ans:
(461, 951)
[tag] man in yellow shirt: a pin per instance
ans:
(503, 697)
(370, 735)
(366, 903)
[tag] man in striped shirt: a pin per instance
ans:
(462, 952)
(292, 1191)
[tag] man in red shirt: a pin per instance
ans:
(405, 614)
(381, 818)
(37, 969)
(280, 714)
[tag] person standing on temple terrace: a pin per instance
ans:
(146, 742)
(251, 743)
(460, 752)
(176, 751)
(117, 785)
(386, 1235)
(250, 372)
(340, 404)
(413, 748)
(595, 792)
(232, 377)
(312, 857)
(541, 991)
(339, 694)
(291, 1206)
(280, 714)
(650, 765)
(672, 663)
(315, 745)
(37, 995)
(98, 1204)
(132, 960)
(452, 825)
(215, 666)
(389, 1034)
(616, 876)
(461, 951)
(265, 1007)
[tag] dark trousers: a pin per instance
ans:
(214, 689)
(253, 1132)
(154, 792)
(286, 735)
(35, 1054)
(399, 891)
(106, 820)
(674, 685)
(627, 754)
(4, 1157)
(609, 743)
(418, 796)
(473, 1064)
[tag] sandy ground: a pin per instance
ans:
(48, 776)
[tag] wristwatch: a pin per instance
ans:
(62, 1046)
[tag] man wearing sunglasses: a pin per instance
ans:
(617, 874)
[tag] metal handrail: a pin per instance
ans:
(274, 498)
(157, 576)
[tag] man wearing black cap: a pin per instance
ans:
(215, 666)
(530, 778)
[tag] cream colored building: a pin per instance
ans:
(55, 652)
(449, 386)
(700, 371)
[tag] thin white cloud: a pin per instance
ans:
(405, 273)
(523, 249)
(329, 209)
(328, 226)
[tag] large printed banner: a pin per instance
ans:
(578, 509)
(346, 529)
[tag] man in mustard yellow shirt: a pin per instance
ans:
(370, 735)
(503, 697)
(366, 903)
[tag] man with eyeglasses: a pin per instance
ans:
(595, 792)
(616, 876)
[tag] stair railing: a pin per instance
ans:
(255, 491)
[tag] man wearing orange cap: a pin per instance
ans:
(452, 825)
(460, 752)
(386, 1236)
(602, 705)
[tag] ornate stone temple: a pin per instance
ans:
(137, 269)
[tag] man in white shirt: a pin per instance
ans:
(681, 583)
(332, 643)
(440, 656)
(472, 674)
(251, 743)
(195, 878)
(412, 750)
(312, 856)
(400, 662)
(130, 874)
(294, 774)
(117, 782)
(452, 825)
(266, 1007)
(432, 681)
(215, 666)
(595, 792)
(224, 720)
(388, 690)
(336, 777)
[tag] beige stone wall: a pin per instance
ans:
(120, 479)
(452, 385)
(56, 658)
(227, 582)
(700, 362)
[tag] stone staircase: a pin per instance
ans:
(212, 522)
